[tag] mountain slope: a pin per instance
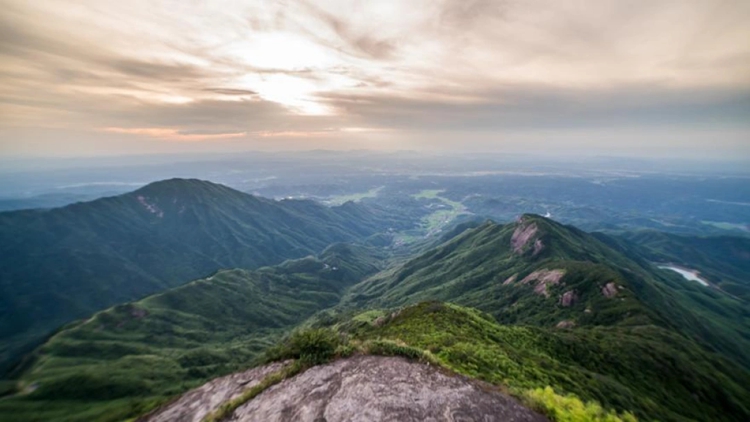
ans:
(66, 263)
(539, 272)
(649, 370)
(118, 362)
(724, 260)
(554, 306)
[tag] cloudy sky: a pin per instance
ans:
(637, 77)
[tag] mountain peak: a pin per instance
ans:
(177, 184)
(178, 193)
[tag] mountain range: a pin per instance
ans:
(65, 263)
(530, 306)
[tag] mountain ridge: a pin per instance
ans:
(65, 263)
(572, 279)
(529, 305)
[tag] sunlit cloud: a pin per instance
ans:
(290, 134)
(173, 134)
(318, 133)
(363, 68)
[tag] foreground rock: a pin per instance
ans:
(194, 405)
(374, 388)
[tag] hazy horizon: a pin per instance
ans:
(92, 78)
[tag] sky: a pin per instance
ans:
(637, 77)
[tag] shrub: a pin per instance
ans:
(345, 350)
(312, 347)
(570, 408)
(393, 348)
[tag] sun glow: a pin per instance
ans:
(295, 93)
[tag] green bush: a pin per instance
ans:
(570, 408)
(345, 350)
(312, 347)
(396, 348)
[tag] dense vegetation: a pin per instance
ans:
(648, 370)
(581, 326)
(480, 268)
(65, 263)
(123, 360)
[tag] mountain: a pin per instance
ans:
(539, 272)
(654, 373)
(112, 365)
(65, 263)
(579, 326)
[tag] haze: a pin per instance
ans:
(642, 78)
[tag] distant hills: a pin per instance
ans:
(62, 264)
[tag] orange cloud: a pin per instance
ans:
(171, 134)
(289, 134)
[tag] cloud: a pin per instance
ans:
(354, 40)
(197, 71)
(463, 14)
(232, 91)
(539, 107)
(171, 134)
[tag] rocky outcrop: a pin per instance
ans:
(510, 279)
(522, 235)
(538, 247)
(610, 289)
(358, 389)
(543, 278)
(194, 405)
(568, 298)
(375, 388)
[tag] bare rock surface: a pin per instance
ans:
(522, 235)
(538, 247)
(543, 278)
(566, 324)
(569, 298)
(196, 404)
(376, 388)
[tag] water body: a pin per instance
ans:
(687, 273)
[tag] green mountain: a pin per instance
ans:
(652, 372)
(539, 272)
(62, 264)
(524, 306)
(118, 362)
